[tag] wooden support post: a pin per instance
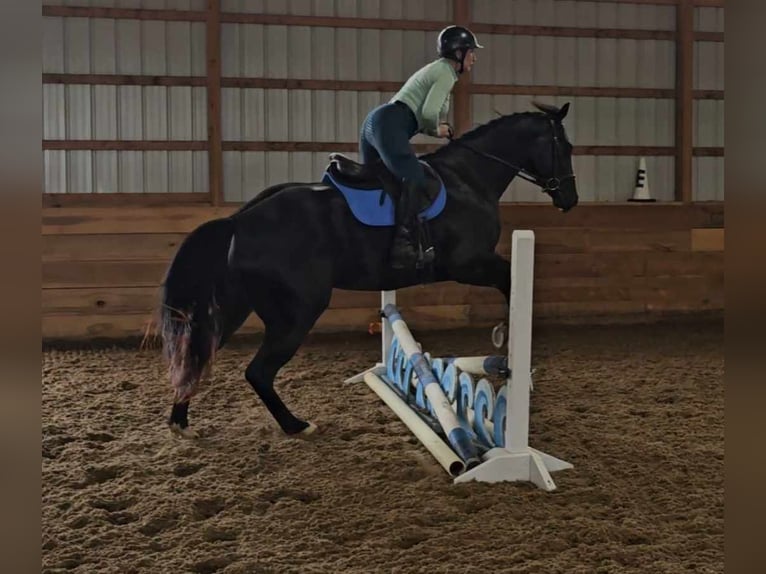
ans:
(462, 97)
(684, 99)
(215, 150)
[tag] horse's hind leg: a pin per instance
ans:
(288, 318)
(179, 421)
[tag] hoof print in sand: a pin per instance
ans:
(204, 509)
(212, 565)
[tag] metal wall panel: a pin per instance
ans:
(79, 171)
(54, 116)
(125, 171)
(709, 19)
(708, 183)
(254, 114)
(248, 173)
(253, 50)
(54, 166)
(708, 178)
(131, 169)
(106, 172)
(528, 60)
(594, 121)
(439, 10)
(708, 172)
(107, 46)
(599, 121)
(104, 112)
(574, 13)
(146, 4)
(708, 66)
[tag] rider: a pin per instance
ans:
(420, 106)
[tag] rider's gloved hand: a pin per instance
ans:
(445, 131)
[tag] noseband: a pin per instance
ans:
(550, 185)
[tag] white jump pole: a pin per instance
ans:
(518, 461)
(457, 436)
(386, 298)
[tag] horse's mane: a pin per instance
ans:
(482, 129)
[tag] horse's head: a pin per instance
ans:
(550, 158)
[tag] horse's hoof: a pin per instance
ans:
(187, 433)
(306, 433)
(498, 335)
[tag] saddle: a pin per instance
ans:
(371, 192)
(376, 177)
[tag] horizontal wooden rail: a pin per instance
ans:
(366, 86)
(575, 91)
(302, 84)
(123, 80)
(708, 152)
(311, 146)
(124, 13)
(371, 23)
(124, 145)
(332, 22)
(314, 146)
(571, 32)
(708, 36)
(117, 199)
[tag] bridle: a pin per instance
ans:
(550, 185)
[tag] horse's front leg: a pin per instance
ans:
(486, 270)
(490, 270)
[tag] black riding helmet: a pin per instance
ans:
(454, 38)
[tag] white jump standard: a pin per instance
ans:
(473, 432)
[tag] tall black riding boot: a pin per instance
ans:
(404, 253)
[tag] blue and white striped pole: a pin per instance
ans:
(457, 436)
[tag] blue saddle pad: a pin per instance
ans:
(366, 207)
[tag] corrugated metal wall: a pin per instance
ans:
(600, 62)
(103, 46)
(146, 4)
(394, 9)
(316, 53)
(85, 112)
(708, 182)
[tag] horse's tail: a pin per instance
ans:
(189, 315)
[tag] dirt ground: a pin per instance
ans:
(638, 410)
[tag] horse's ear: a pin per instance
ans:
(562, 113)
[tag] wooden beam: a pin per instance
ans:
(310, 146)
(367, 86)
(708, 36)
(624, 150)
(571, 32)
(116, 199)
(125, 145)
(181, 219)
(684, 99)
(124, 13)
(575, 91)
(296, 84)
(708, 152)
(461, 11)
(331, 21)
(123, 80)
(215, 150)
(708, 94)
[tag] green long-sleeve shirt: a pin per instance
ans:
(427, 94)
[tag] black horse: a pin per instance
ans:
(282, 253)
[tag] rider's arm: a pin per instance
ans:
(434, 102)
